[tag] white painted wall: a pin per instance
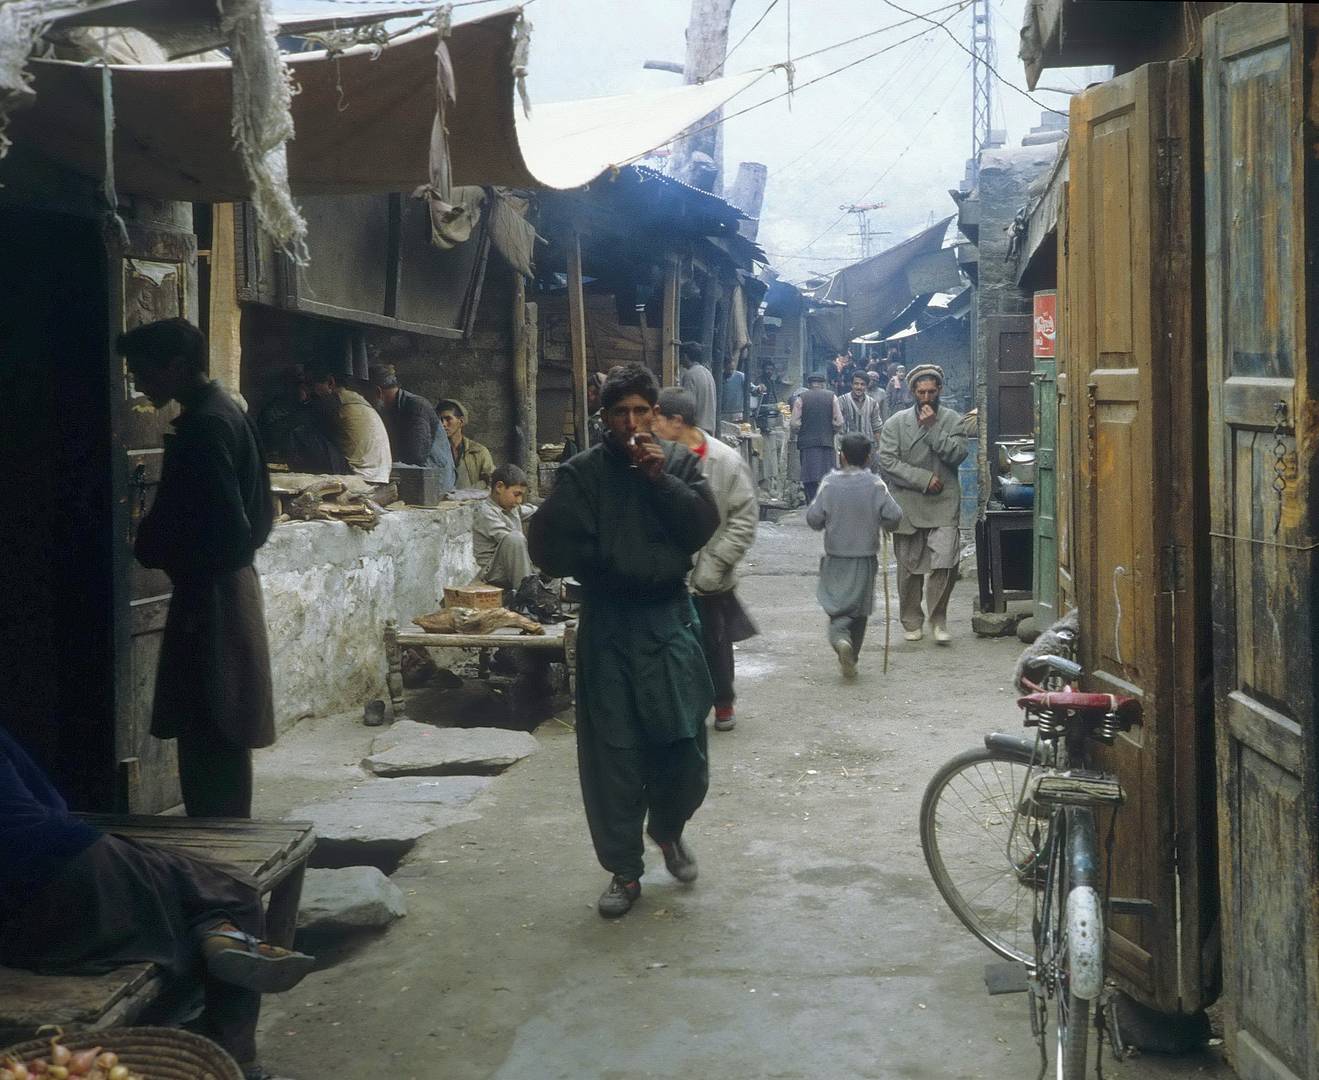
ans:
(329, 589)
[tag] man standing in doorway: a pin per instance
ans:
(473, 463)
(816, 419)
(696, 379)
(919, 451)
(714, 577)
(861, 412)
(625, 519)
(213, 510)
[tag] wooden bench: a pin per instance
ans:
(559, 642)
(273, 852)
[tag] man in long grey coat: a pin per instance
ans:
(212, 512)
(919, 451)
(696, 379)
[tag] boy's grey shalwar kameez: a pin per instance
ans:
(851, 507)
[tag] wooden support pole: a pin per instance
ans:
(577, 328)
(225, 316)
(531, 342)
(669, 323)
(522, 454)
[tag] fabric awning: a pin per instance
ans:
(362, 120)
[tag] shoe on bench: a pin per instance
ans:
(619, 897)
(678, 859)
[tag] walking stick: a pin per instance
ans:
(887, 626)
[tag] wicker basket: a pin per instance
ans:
(154, 1053)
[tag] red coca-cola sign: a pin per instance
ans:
(1046, 325)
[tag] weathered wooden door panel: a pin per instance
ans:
(157, 282)
(1138, 472)
(1044, 586)
(1260, 255)
(1065, 471)
(1008, 377)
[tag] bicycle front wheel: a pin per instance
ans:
(1073, 1030)
(982, 860)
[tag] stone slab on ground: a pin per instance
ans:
(412, 749)
(448, 791)
(352, 898)
(353, 831)
(996, 623)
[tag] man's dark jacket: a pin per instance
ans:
(620, 534)
(413, 427)
(213, 510)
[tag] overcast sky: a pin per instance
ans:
(895, 129)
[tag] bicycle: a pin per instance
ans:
(1011, 830)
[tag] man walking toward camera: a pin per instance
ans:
(919, 451)
(625, 519)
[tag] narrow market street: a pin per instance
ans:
(813, 946)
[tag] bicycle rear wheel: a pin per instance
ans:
(982, 861)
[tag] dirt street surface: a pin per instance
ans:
(814, 945)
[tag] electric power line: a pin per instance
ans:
(879, 179)
(992, 70)
(819, 78)
(763, 14)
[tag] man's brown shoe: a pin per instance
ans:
(678, 859)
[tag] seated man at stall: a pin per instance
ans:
(75, 901)
(498, 542)
(290, 432)
(472, 462)
(353, 426)
(415, 434)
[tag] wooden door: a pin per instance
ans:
(1260, 202)
(1044, 584)
(1008, 380)
(1135, 368)
(156, 280)
(1065, 468)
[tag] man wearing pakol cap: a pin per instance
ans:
(816, 419)
(472, 462)
(919, 451)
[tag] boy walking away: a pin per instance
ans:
(714, 577)
(852, 505)
(625, 519)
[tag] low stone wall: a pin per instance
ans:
(329, 589)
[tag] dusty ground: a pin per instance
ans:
(814, 945)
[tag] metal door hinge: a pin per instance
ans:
(1174, 569)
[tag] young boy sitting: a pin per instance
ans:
(852, 505)
(498, 543)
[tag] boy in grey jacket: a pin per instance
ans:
(853, 504)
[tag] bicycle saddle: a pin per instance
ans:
(1126, 708)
